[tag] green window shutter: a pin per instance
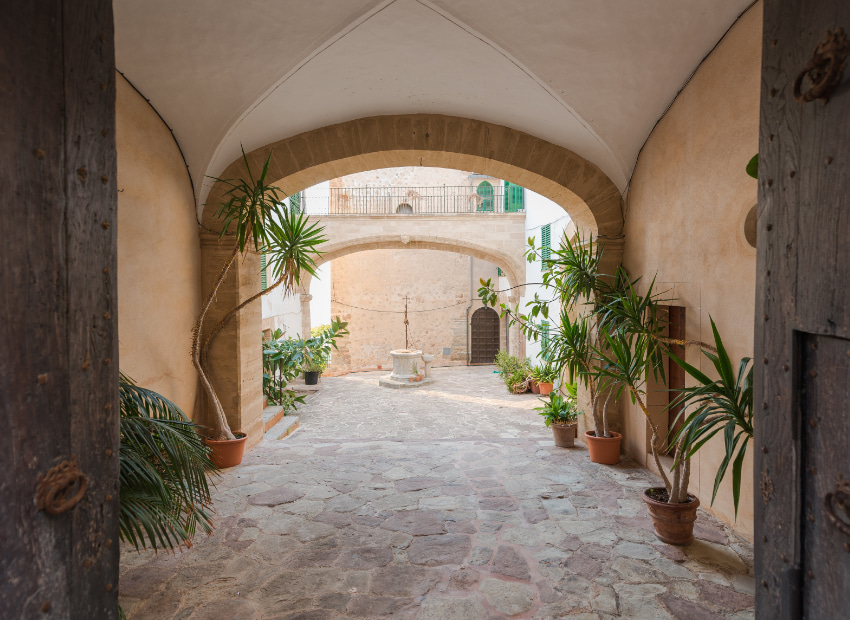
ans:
(263, 279)
(295, 202)
(546, 242)
(485, 192)
(499, 271)
(514, 198)
(544, 338)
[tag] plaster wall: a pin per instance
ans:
(686, 208)
(159, 261)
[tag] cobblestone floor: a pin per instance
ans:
(448, 502)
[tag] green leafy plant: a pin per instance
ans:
(279, 369)
(515, 372)
(558, 409)
(312, 354)
(253, 214)
(724, 404)
(164, 464)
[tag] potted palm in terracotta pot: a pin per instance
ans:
(560, 413)
(254, 218)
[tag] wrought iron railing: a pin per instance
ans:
(417, 200)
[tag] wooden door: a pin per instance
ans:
(58, 334)
(485, 336)
(802, 387)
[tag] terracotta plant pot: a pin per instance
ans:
(311, 377)
(564, 434)
(674, 523)
(227, 453)
(545, 388)
(603, 450)
(535, 387)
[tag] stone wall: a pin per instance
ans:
(368, 291)
(687, 206)
(159, 257)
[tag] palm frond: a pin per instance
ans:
(164, 464)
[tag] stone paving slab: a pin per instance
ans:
(360, 516)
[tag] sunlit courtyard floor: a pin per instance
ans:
(443, 502)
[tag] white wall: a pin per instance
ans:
(538, 212)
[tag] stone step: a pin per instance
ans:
(271, 416)
(284, 428)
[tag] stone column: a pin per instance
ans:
(306, 321)
(235, 363)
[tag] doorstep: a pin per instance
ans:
(285, 427)
(271, 416)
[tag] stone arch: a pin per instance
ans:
(512, 267)
(579, 186)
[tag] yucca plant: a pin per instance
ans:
(164, 464)
(724, 404)
(260, 220)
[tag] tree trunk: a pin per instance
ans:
(222, 430)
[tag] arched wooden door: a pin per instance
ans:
(485, 336)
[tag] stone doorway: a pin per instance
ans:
(484, 336)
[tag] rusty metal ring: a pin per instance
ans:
(842, 499)
(52, 493)
(824, 69)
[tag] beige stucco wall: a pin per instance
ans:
(159, 268)
(685, 216)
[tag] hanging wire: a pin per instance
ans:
(399, 311)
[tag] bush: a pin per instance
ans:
(512, 370)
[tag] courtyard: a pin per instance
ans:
(444, 502)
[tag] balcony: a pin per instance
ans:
(439, 200)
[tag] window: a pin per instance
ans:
(295, 202)
(263, 278)
(514, 198)
(546, 243)
(485, 196)
(544, 339)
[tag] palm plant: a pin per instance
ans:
(255, 211)
(164, 495)
(724, 404)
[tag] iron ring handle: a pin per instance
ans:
(824, 69)
(842, 498)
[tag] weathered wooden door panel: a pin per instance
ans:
(484, 336)
(824, 365)
(802, 300)
(58, 334)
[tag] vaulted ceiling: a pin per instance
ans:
(591, 76)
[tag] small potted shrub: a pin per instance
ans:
(546, 377)
(313, 353)
(534, 379)
(561, 415)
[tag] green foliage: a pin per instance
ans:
(164, 464)
(753, 166)
(319, 329)
(558, 409)
(512, 370)
(249, 206)
(725, 404)
(291, 245)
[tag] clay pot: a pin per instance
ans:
(674, 523)
(603, 450)
(564, 434)
(535, 387)
(227, 453)
(545, 388)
